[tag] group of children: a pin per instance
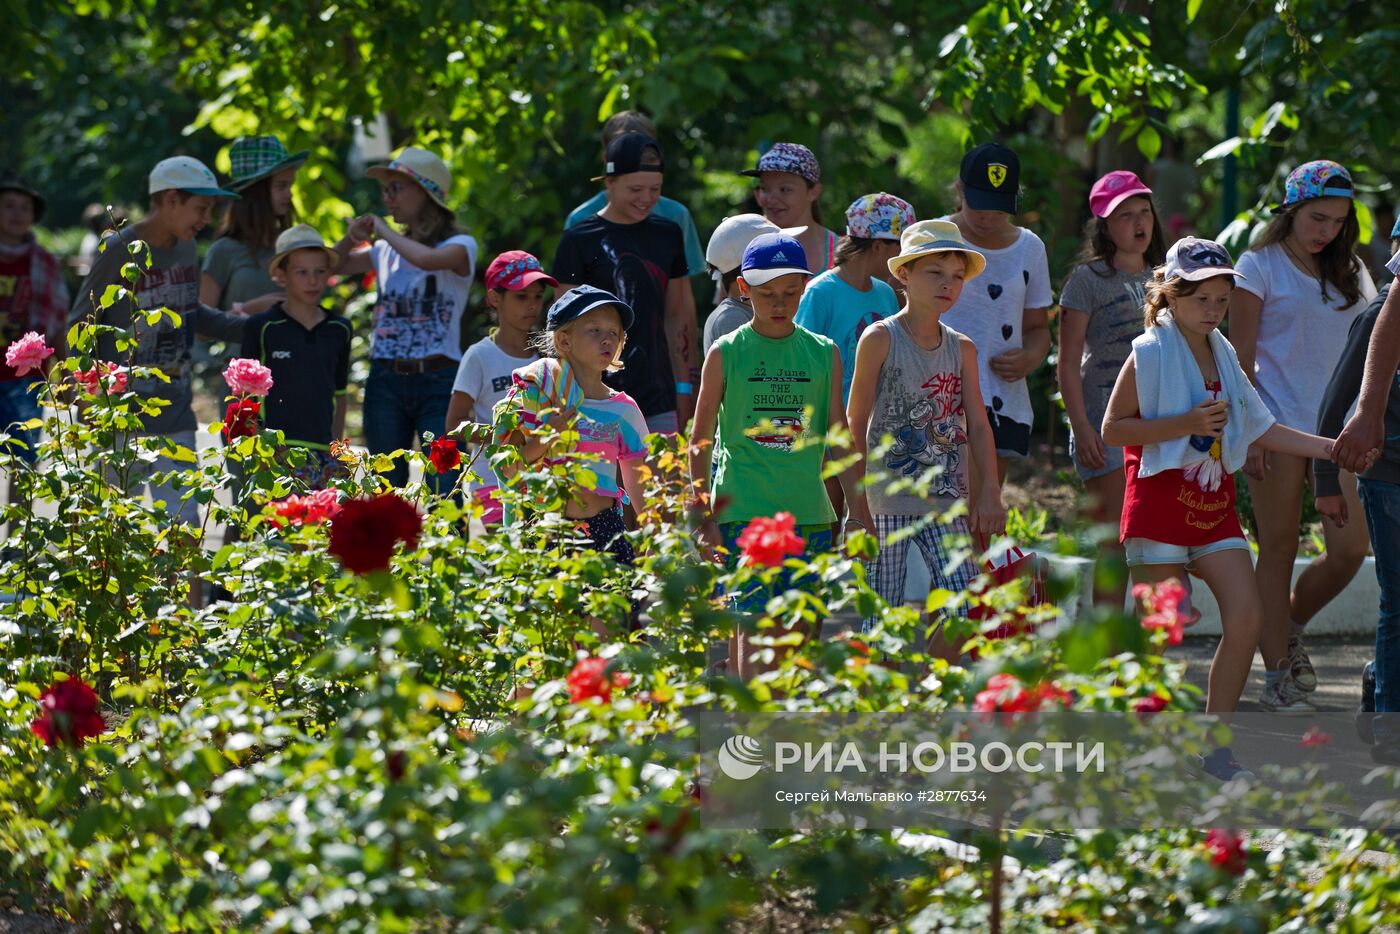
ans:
(915, 337)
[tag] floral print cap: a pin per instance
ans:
(880, 216)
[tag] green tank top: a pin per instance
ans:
(775, 411)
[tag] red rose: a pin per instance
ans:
(241, 419)
(1314, 737)
(311, 509)
(1162, 602)
(1153, 703)
(1005, 694)
(444, 455)
(769, 541)
(70, 714)
(365, 531)
(1227, 851)
(589, 679)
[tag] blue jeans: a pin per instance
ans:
(1381, 502)
(399, 408)
(19, 402)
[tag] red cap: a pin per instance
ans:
(514, 270)
(1112, 190)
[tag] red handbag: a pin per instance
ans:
(1014, 563)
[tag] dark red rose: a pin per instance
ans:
(241, 419)
(1152, 703)
(444, 455)
(364, 532)
(1227, 851)
(70, 714)
(589, 679)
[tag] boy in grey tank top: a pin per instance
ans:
(915, 384)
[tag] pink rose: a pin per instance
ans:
(248, 377)
(91, 380)
(28, 353)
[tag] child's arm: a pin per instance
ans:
(452, 256)
(859, 508)
(342, 406)
(1287, 440)
(355, 262)
(1123, 426)
(459, 409)
(871, 352)
(987, 516)
(1365, 431)
(1088, 447)
(702, 436)
(632, 482)
(1245, 310)
(682, 344)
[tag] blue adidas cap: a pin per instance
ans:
(579, 301)
(772, 255)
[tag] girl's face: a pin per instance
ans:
(1130, 226)
(518, 310)
(776, 300)
(304, 275)
(592, 341)
(1316, 223)
(785, 198)
(986, 225)
(1204, 309)
(934, 281)
(403, 198)
(280, 191)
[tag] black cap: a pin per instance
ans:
(991, 177)
(624, 155)
(579, 301)
(11, 181)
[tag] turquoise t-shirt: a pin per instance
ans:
(668, 208)
(834, 309)
(772, 417)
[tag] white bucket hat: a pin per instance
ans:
(423, 167)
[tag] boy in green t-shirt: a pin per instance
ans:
(766, 390)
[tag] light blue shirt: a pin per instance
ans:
(834, 309)
(668, 208)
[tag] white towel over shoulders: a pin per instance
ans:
(1169, 382)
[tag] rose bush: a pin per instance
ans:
(464, 733)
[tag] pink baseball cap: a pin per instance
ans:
(514, 270)
(1112, 190)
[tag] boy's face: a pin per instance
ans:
(16, 216)
(935, 280)
(185, 219)
(775, 301)
(304, 274)
(634, 195)
(519, 310)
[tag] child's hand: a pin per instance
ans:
(1256, 462)
(710, 540)
(1089, 448)
(1334, 508)
(1208, 418)
(1012, 365)
(988, 515)
(362, 227)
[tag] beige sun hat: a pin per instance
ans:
(927, 237)
(423, 167)
(300, 237)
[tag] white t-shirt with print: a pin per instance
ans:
(485, 375)
(1301, 335)
(991, 310)
(418, 313)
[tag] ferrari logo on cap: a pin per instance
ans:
(996, 174)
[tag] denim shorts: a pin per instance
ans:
(663, 423)
(1140, 551)
(19, 402)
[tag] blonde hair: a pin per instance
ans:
(1160, 293)
(543, 343)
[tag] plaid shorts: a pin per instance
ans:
(889, 571)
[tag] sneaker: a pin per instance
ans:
(1299, 665)
(1221, 764)
(1368, 687)
(1285, 695)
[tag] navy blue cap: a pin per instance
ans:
(579, 301)
(624, 156)
(769, 256)
(990, 176)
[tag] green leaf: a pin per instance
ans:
(1149, 143)
(1192, 8)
